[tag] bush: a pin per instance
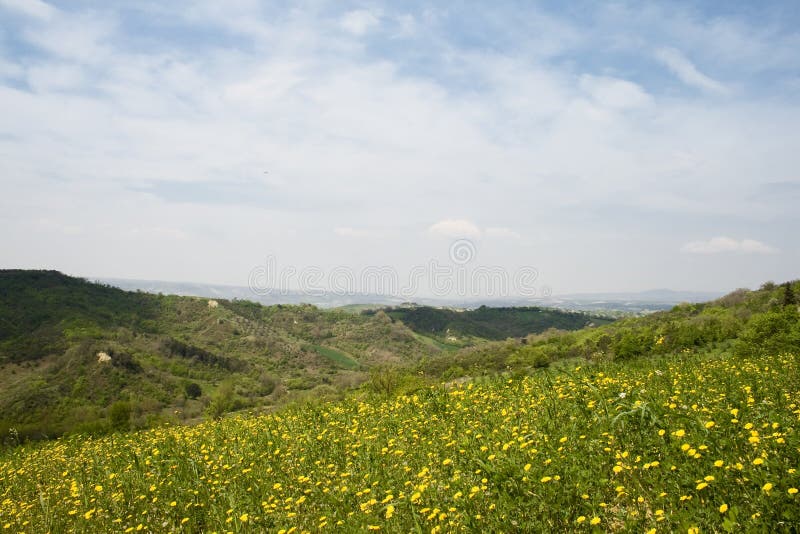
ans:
(192, 390)
(120, 415)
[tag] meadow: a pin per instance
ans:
(678, 443)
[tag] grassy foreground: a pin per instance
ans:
(691, 444)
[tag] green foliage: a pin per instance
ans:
(774, 332)
(119, 415)
(488, 322)
(192, 390)
(224, 400)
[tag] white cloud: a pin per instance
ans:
(614, 93)
(722, 244)
(686, 71)
(387, 136)
(454, 228)
(32, 8)
(359, 21)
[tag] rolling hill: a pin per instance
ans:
(71, 349)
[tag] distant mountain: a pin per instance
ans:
(323, 300)
(652, 295)
(629, 302)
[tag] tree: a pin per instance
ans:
(193, 390)
(789, 298)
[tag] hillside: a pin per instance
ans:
(668, 444)
(684, 420)
(180, 358)
(748, 322)
(458, 326)
(53, 329)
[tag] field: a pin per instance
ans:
(692, 444)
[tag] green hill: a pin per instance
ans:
(55, 329)
(765, 321)
(684, 420)
(458, 326)
(71, 349)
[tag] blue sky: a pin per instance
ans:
(612, 146)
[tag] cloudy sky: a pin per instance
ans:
(622, 146)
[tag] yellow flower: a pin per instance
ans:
(581, 519)
(702, 485)
(89, 514)
(595, 521)
(527, 467)
(767, 487)
(243, 518)
(791, 491)
(679, 433)
(719, 463)
(710, 424)
(723, 508)
(389, 511)
(546, 479)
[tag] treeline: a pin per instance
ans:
(488, 322)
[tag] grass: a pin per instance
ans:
(676, 443)
(435, 343)
(338, 357)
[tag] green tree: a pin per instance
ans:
(789, 298)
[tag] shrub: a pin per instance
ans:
(193, 390)
(120, 415)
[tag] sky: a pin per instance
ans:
(605, 146)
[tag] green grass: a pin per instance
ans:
(338, 357)
(432, 342)
(672, 444)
